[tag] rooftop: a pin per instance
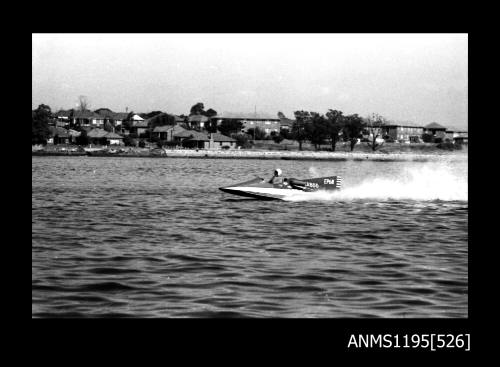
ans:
(87, 114)
(403, 124)
(247, 116)
(192, 135)
(112, 135)
(97, 133)
(63, 113)
(167, 128)
(59, 131)
(142, 123)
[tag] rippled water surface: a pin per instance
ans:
(155, 238)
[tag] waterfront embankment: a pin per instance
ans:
(261, 154)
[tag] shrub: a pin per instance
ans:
(154, 139)
(277, 138)
(142, 144)
(128, 141)
(242, 140)
(82, 139)
(286, 134)
(448, 145)
(427, 138)
(170, 144)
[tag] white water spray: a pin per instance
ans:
(426, 183)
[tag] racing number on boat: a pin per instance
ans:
(312, 184)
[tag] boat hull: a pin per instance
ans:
(260, 189)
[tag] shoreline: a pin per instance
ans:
(268, 155)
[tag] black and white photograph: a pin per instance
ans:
(250, 175)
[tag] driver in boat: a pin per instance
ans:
(277, 179)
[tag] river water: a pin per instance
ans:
(154, 237)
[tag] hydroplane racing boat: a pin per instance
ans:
(279, 188)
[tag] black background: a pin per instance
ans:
(249, 340)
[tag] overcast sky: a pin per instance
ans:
(404, 77)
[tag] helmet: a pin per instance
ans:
(277, 172)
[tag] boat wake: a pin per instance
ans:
(421, 184)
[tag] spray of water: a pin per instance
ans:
(423, 184)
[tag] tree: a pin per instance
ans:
(108, 126)
(127, 124)
(211, 113)
(316, 129)
(281, 115)
(40, 119)
(150, 114)
(83, 103)
(197, 109)
(334, 125)
(352, 129)
(228, 127)
(286, 134)
(211, 126)
(161, 119)
(104, 111)
(374, 125)
(302, 118)
(256, 133)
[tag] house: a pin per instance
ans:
(140, 127)
(136, 123)
(403, 132)
(135, 118)
(167, 132)
(218, 141)
(62, 118)
(97, 136)
(58, 135)
(103, 137)
(461, 137)
(116, 118)
(438, 132)
(197, 121)
(87, 118)
(114, 138)
(264, 121)
(448, 135)
(201, 140)
(119, 117)
(179, 119)
(286, 124)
